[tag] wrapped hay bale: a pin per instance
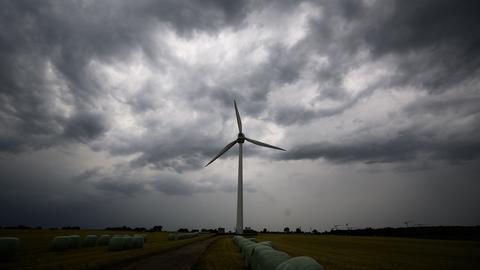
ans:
(103, 240)
(74, 241)
(245, 246)
(252, 239)
(9, 247)
(243, 242)
(128, 244)
(60, 243)
(90, 241)
(172, 236)
(268, 259)
(186, 235)
(300, 263)
(266, 243)
(144, 236)
(138, 241)
(247, 251)
(250, 252)
(235, 239)
(256, 255)
(116, 243)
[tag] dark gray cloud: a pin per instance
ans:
(177, 186)
(86, 126)
(403, 147)
(40, 40)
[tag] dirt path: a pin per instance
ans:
(180, 259)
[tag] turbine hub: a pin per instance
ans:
(241, 138)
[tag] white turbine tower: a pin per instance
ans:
(240, 140)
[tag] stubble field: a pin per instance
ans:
(35, 253)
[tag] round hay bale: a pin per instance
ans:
(186, 235)
(256, 255)
(116, 243)
(245, 246)
(74, 241)
(243, 242)
(300, 263)
(138, 241)
(90, 241)
(128, 244)
(266, 243)
(252, 239)
(235, 239)
(268, 259)
(250, 252)
(144, 236)
(103, 240)
(172, 236)
(9, 247)
(60, 243)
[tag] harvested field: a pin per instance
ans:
(221, 254)
(357, 252)
(35, 250)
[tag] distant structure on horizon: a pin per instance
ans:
(240, 140)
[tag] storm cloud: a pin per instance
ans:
(104, 100)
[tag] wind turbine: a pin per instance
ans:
(240, 140)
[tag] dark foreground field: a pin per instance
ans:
(35, 252)
(333, 252)
(359, 252)
(222, 254)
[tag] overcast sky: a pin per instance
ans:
(110, 109)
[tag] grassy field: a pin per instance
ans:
(358, 252)
(35, 252)
(222, 254)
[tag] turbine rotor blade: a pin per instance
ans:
(239, 120)
(225, 149)
(264, 144)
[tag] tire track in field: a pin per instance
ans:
(180, 259)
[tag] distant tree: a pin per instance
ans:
(19, 227)
(123, 228)
(157, 228)
(315, 231)
(183, 230)
(286, 230)
(264, 230)
(298, 230)
(71, 228)
(194, 230)
(249, 231)
(140, 229)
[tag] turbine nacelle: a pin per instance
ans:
(241, 138)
